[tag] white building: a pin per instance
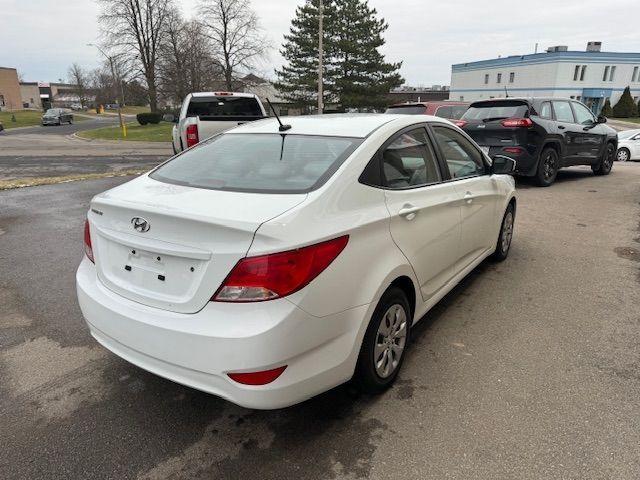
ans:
(590, 76)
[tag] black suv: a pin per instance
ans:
(542, 135)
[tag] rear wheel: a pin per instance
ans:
(623, 155)
(548, 167)
(606, 162)
(384, 343)
(506, 235)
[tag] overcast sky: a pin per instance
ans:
(41, 38)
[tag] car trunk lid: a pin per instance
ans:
(171, 246)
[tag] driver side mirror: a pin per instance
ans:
(602, 119)
(503, 165)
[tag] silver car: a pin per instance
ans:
(57, 116)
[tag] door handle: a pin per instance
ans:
(408, 211)
(468, 198)
(561, 127)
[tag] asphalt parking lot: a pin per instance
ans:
(528, 369)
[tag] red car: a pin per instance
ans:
(443, 109)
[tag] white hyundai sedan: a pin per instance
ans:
(267, 264)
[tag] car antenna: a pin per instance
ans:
(282, 127)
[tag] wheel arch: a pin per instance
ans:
(406, 284)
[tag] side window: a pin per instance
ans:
(563, 112)
(463, 159)
(583, 114)
(409, 161)
(545, 110)
(443, 112)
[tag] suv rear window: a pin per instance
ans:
(496, 110)
(407, 109)
(223, 107)
(259, 162)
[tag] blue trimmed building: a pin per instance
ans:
(591, 76)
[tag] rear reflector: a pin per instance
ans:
(514, 150)
(255, 279)
(192, 135)
(460, 123)
(517, 122)
(88, 249)
(257, 378)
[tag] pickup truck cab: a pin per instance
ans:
(204, 114)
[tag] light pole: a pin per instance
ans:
(113, 73)
(320, 55)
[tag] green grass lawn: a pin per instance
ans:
(140, 133)
(632, 119)
(24, 118)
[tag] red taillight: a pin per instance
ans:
(514, 150)
(257, 378)
(255, 279)
(88, 249)
(517, 122)
(192, 135)
(460, 123)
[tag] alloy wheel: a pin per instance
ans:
(623, 155)
(507, 231)
(390, 340)
(550, 165)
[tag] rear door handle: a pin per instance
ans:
(468, 198)
(408, 211)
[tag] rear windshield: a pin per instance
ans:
(496, 110)
(453, 112)
(223, 107)
(407, 109)
(263, 163)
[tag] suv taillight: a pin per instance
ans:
(192, 135)
(88, 249)
(517, 122)
(266, 277)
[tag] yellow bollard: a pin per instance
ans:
(124, 130)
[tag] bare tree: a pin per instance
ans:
(80, 77)
(135, 29)
(234, 33)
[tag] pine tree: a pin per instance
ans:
(606, 111)
(361, 74)
(625, 107)
(297, 80)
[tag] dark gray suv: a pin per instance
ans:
(57, 116)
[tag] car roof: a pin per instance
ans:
(357, 125)
(437, 103)
(222, 93)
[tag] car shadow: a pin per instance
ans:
(564, 176)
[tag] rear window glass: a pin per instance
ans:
(495, 110)
(452, 112)
(223, 107)
(408, 110)
(264, 163)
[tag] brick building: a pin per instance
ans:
(10, 98)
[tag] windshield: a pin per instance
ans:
(51, 111)
(224, 107)
(264, 163)
(496, 110)
(408, 109)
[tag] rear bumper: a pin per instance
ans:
(198, 350)
(526, 162)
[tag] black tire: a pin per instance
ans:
(623, 155)
(606, 162)
(366, 376)
(71, 121)
(548, 166)
(503, 244)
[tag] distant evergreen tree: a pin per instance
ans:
(298, 78)
(625, 107)
(356, 74)
(362, 76)
(606, 111)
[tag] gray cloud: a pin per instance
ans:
(42, 37)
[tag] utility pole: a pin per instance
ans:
(113, 74)
(320, 57)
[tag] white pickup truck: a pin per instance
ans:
(203, 114)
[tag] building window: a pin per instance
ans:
(461, 98)
(486, 78)
(635, 74)
(584, 70)
(499, 78)
(512, 77)
(612, 74)
(576, 72)
(578, 98)
(606, 73)
(573, 97)
(31, 100)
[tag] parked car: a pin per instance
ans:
(57, 116)
(542, 135)
(450, 110)
(628, 145)
(270, 264)
(204, 114)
